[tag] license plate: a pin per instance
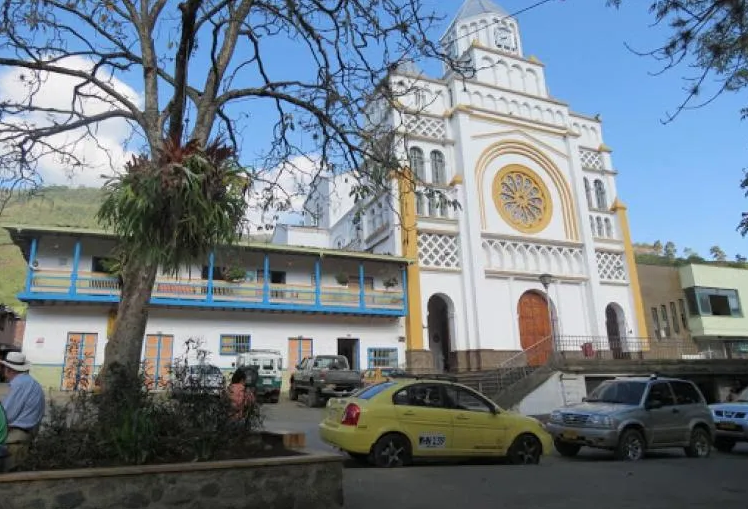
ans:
(569, 435)
(267, 382)
(728, 426)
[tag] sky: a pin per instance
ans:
(680, 181)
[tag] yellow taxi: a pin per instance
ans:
(391, 423)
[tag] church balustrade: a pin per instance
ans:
(520, 256)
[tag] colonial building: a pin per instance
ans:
(300, 301)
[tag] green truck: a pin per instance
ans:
(269, 364)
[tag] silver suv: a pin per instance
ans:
(631, 415)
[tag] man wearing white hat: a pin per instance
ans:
(23, 406)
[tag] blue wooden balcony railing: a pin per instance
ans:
(76, 286)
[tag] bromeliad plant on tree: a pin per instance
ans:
(168, 212)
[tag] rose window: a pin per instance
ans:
(522, 199)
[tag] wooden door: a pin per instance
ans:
(159, 349)
(298, 348)
(80, 357)
(534, 327)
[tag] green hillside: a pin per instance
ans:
(54, 206)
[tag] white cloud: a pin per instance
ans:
(284, 189)
(102, 153)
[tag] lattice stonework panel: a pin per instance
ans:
(425, 126)
(610, 266)
(591, 159)
(529, 257)
(438, 250)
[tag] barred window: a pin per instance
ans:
(382, 357)
(232, 344)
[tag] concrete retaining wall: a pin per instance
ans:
(311, 481)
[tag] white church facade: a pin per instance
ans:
(536, 189)
(537, 255)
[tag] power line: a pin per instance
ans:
(500, 20)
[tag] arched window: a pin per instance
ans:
(608, 228)
(588, 193)
(420, 206)
(602, 201)
(600, 231)
(592, 225)
(438, 168)
(416, 162)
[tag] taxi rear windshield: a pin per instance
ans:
(372, 391)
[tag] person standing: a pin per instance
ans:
(24, 408)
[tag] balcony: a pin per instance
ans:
(93, 287)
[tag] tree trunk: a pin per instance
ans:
(126, 344)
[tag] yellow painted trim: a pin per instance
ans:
(628, 246)
(604, 148)
(409, 239)
(517, 147)
(545, 196)
(534, 60)
(456, 181)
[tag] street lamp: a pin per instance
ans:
(545, 280)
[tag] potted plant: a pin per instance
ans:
(342, 278)
(390, 282)
(235, 275)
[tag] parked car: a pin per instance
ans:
(391, 423)
(200, 378)
(374, 376)
(632, 415)
(269, 364)
(322, 377)
(731, 422)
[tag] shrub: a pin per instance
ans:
(129, 425)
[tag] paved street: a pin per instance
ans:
(593, 480)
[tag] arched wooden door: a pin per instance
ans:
(612, 325)
(534, 327)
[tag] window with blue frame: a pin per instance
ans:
(232, 344)
(382, 357)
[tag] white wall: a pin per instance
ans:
(561, 389)
(272, 331)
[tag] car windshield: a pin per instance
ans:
(371, 391)
(338, 362)
(265, 363)
(743, 397)
(621, 392)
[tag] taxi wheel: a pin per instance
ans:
(701, 444)
(525, 450)
(391, 450)
(724, 444)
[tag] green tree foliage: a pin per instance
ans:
(717, 254)
(657, 247)
(669, 250)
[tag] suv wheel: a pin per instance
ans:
(631, 445)
(700, 445)
(566, 449)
